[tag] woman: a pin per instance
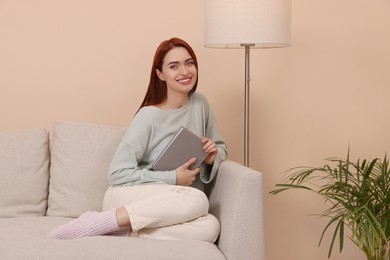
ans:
(160, 204)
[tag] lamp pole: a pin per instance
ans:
(246, 102)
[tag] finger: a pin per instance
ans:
(211, 148)
(187, 164)
(208, 144)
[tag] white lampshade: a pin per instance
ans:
(261, 23)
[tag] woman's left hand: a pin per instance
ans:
(211, 148)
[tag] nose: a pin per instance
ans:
(184, 70)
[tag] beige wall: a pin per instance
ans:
(89, 61)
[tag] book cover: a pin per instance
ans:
(183, 146)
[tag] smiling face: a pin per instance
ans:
(178, 71)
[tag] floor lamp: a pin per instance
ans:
(247, 24)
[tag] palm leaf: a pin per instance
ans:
(357, 196)
(287, 187)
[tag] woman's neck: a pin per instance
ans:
(174, 101)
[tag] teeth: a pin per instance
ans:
(183, 80)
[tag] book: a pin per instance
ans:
(183, 146)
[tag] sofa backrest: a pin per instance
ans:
(67, 181)
(80, 157)
(24, 172)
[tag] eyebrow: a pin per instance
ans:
(176, 62)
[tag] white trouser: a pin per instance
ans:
(165, 211)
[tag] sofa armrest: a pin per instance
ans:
(236, 199)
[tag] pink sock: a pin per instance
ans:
(88, 224)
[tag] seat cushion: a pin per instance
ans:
(80, 158)
(24, 172)
(25, 238)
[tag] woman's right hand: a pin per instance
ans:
(185, 176)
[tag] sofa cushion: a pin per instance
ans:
(80, 158)
(25, 238)
(24, 172)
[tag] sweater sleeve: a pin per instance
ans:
(127, 168)
(209, 172)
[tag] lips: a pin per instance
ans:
(184, 81)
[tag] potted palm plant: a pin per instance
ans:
(357, 196)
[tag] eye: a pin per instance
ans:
(173, 66)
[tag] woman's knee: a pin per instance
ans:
(215, 228)
(198, 198)
(210, 228)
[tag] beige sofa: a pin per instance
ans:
(47, 183)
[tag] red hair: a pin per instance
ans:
(157, 89)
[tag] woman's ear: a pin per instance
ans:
(160, 75)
